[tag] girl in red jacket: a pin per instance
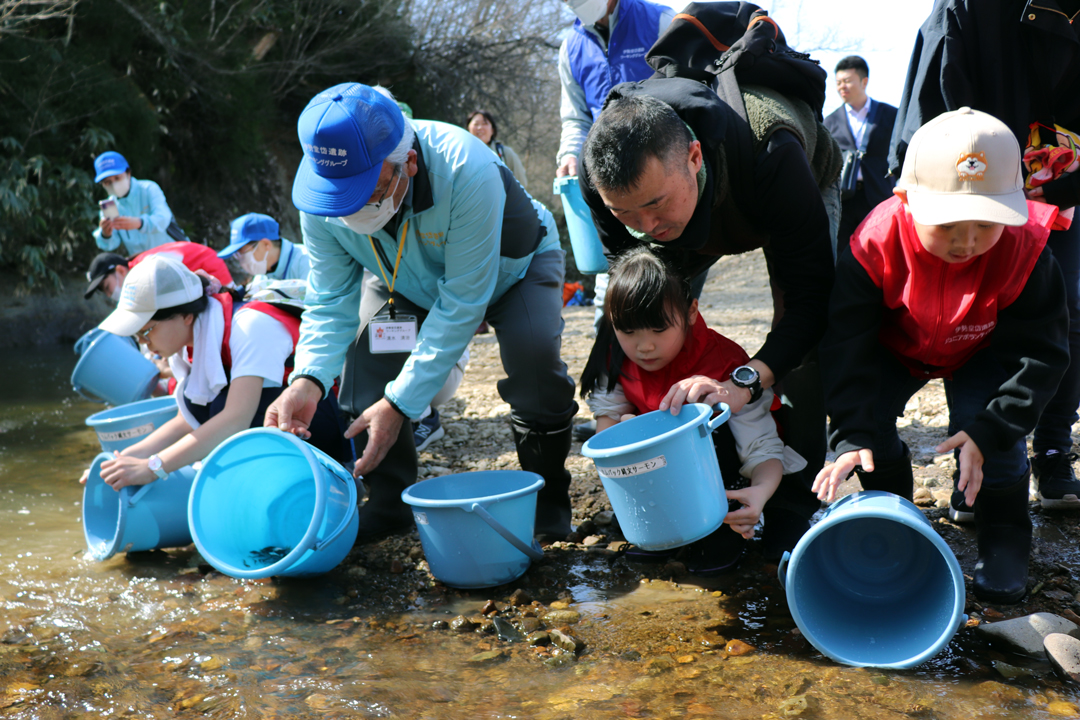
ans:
(950, 279)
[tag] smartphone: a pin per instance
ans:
(109, 209)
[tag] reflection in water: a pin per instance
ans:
(157, 635)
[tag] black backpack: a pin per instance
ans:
(711, 41)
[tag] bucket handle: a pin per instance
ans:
(781, 569)
(532, 551)
(725, 413)
(138, 494)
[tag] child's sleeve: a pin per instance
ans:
(611, 404)
(756, 439)
(1031, 341)
(847, 355)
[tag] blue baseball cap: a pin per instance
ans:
(248, 229)
(346, 133)
(108, 164)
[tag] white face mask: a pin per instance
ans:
(121, 187)
(114, 298)
(250, 265)
(372, 217)
(589, 12)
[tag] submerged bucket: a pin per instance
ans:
(266, 503)
(588, 250)
(139, 517)
(477, 527)
(873, 585)
(112, 370)
(119, 427)
(661, 475)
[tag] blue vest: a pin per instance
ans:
(634, 33)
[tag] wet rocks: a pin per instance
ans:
(486, 658)
(462, 624)
(566, 641)
(562, 617)
(520, 598)
(1063, 652)
(1025, 634)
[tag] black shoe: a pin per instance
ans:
(1058, 486)
(959, 510)
(1003, 530)
(635, 554)
(427, 431)
(714, 554)
(544, 452)
(895, 476)
(584, 431)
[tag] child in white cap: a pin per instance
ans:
(230, 361)
(950, 279)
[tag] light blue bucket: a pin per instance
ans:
(112, 370)
(477, 528)
(266, 503)
(120, 427)
(873, 585)
(661, 475)
(588, 250)
(139, 517)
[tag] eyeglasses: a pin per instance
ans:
(144, 334)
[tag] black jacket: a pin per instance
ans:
(779, 209)
(1017, 60)
(877, 184)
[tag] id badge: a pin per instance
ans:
(392, 336)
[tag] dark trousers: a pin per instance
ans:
(853, 211)
(1054, 430)
(528, 323)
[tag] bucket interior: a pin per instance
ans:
(133, 412)
(873, 592)
(253, 503)
(644, 427)
(470, 486)
(101, 515)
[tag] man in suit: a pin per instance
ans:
(848, 124)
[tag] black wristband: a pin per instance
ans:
(396, 408)
(312, 378)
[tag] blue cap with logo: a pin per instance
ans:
(248, 229)
(346, 133)
(108, 164)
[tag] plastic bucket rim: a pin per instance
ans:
(95, 422)
(939, 544)
(79, 364)
(564, 182)
(704, 412)
(307, 542)
(485, 500)
(121, 513)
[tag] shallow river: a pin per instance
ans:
(157, 636)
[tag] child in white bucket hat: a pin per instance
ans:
(229, 358)
(950, 279)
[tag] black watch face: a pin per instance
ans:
(744, 375)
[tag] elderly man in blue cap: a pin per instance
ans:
(135, 213)
(451, 240)
(262, 252)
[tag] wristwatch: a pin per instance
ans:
(747, 377)
(154, 463)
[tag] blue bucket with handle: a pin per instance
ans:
(873, 585)
(112, 370)
(265, 503)
(120, 427)
(138, 517)
(661, 475)
(477, 527)
(588, 250)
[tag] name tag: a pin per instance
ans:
(392, 336)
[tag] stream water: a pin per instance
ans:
(157, 636)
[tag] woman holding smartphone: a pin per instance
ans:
(135, 214)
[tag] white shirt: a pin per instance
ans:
(856, 120)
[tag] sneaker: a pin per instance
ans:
(1058, 487)
(959, 510)
(585, 430)
(427, 430)
(714, 554)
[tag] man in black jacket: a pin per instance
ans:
(861, 119)
(1018, 60)
(666, 163)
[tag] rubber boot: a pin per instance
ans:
(1003, 528)
(385, 514)
(545, 453)
(893, 476)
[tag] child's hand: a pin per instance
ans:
(125, 470)
(745, 518)
(699, 388)
(85, 476)
(836, 472)
(971, 462)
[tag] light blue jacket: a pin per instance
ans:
(146, 202)
(292, 264)
(451, 265)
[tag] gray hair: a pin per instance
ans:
(400, 154)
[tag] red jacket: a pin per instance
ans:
(938, 314)
(193, 255)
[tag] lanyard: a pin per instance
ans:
(380, 259)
